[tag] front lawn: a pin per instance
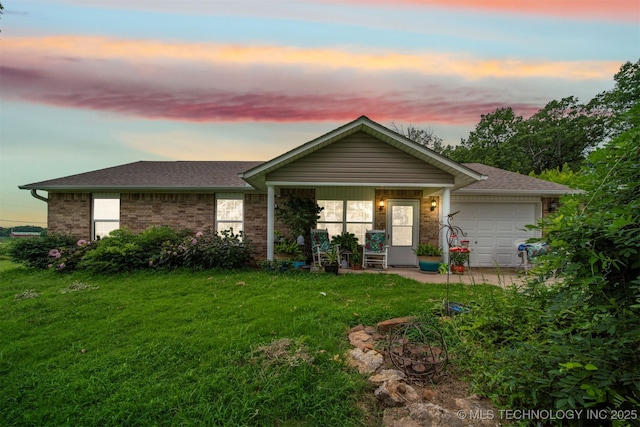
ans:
(192, 348)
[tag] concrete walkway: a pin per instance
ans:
(502, 277)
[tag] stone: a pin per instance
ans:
(388, 325)
(357, 328)
(398, 417)
(429, 414)
(366, 363)
(387, 375)
(395, 393)
(360, 339)
(429, 394)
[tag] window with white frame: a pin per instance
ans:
(230, 212)
(105, 213)
(353, 216)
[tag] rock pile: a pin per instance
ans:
(407, 404)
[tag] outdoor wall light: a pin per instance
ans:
(381, 205)
(434, 204)
(553, 206)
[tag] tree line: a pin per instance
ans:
(558, 137)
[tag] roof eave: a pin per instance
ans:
(125, 188)
(514, 192)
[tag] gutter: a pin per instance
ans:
(34, 193)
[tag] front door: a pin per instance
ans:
(403, 219)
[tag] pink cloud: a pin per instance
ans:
(616, 10)
(441, 105)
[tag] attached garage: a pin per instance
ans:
(494, 225)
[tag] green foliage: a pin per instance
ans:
(301, 215)
(287, 247)
(565, 176)
(562, 132)
(581, 347)
(124, 250)
(207, 250)
(348, 242)
(34, 252)
(427, 249)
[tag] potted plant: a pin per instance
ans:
(299, 260)
(348, 242)
(332, 261)
(429, 257)
(286, 250)
(356, 258)
(458, 256)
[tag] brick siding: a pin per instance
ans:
(70, 213)
(139, 211)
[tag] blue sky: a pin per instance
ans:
(88, 84)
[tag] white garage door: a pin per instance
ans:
(492, 230)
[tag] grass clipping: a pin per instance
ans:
(77, 286)
(282, 352)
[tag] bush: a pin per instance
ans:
(124, 251)
(34, 252)
(583, 352)
(207, 249)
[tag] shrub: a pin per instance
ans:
(34, 252)
(207, 249)
(123, 250)
(584, 351)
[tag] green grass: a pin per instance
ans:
(184, 348)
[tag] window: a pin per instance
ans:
(106, 214)
(353, 216)
(230, 212)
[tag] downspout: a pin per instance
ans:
(34, 193)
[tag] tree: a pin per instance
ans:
(612, 105)
(563, 132)
(489, 142)
(565, 176)
(425, 137)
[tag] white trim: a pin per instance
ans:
(494, 199)
(271, 197)
(355, 184)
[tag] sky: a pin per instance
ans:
(90, 84)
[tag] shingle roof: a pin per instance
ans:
(503, 181)
(148, 175)
(199, 175)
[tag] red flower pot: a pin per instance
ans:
(457, 269)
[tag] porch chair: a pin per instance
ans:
(320, 245)
(375, 248)
(529, 252)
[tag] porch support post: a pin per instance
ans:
(271, 201)
(446, 210)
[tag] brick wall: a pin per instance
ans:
(139, 211)
(70, 213)
(255, 223)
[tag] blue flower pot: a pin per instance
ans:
(428, 266)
